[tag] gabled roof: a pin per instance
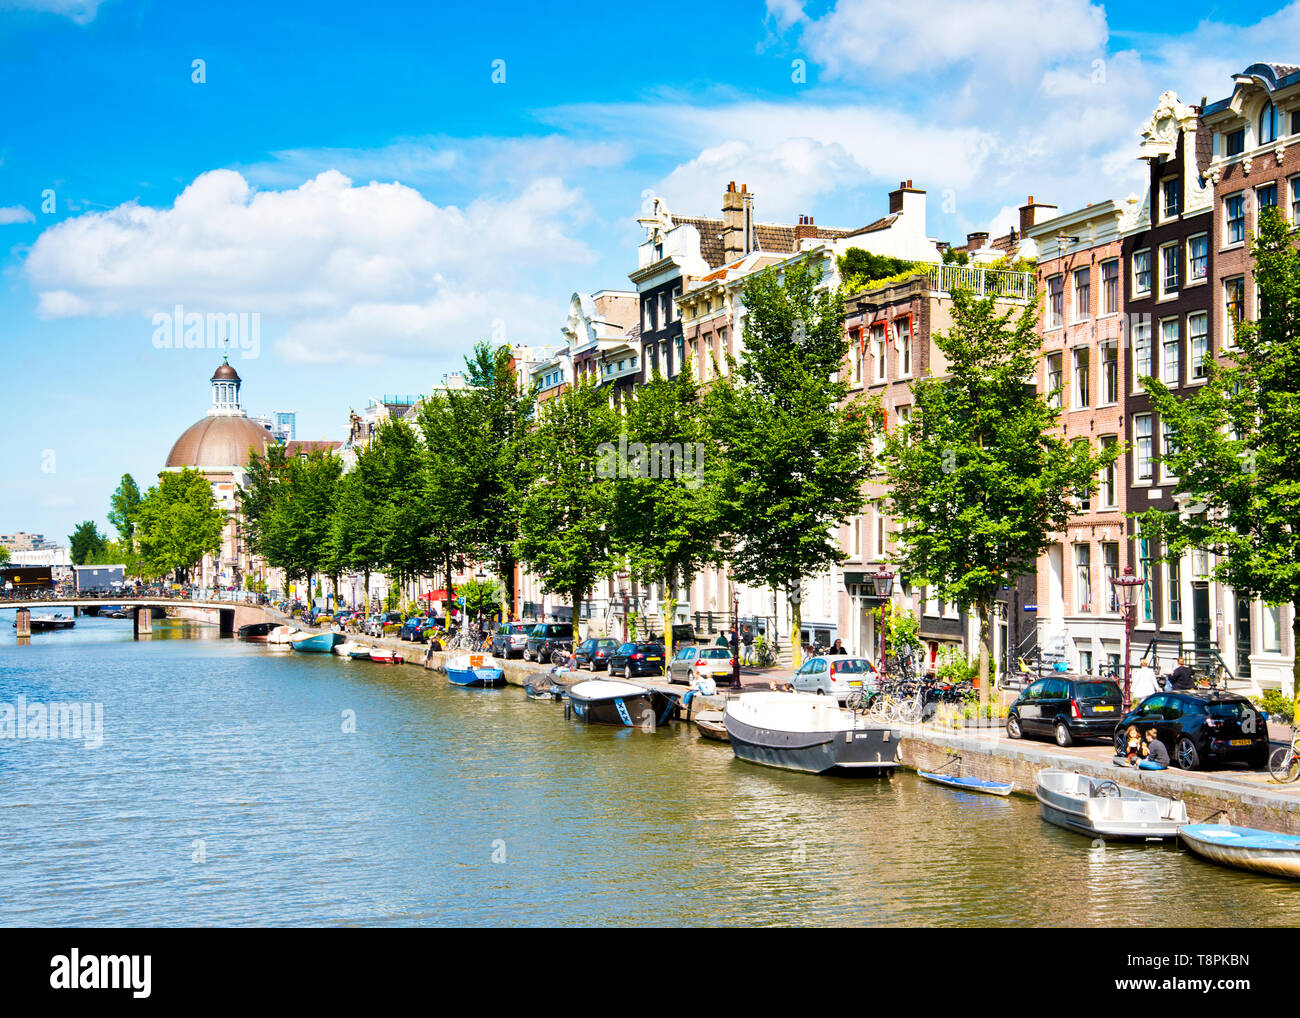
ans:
(772, 237)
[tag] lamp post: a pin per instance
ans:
(622, 592)
(735, 629)
(882, 583)
(1127, 584)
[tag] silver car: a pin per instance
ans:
(691, 663)
(837, 675)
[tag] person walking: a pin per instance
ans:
(748, 640)
(1181, 677)
(1142, 683)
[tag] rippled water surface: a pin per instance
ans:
(480, 807)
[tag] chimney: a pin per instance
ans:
(804, 229)
(909, 200)
(1032, 213)
(733, 224)
(975, 241)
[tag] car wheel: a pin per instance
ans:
(1063, 736)
(1121, 744)
(1186, 755)
(820, 691)
(627, 672)
(1013, 727)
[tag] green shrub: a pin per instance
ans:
(390, 628)
(1277, 705)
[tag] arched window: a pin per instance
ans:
(1268, 124)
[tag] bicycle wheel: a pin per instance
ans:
(1284, 764)
(910, 710)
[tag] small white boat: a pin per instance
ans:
(351, 648)
(1099, 807)
(283, 635)
(1246, 848)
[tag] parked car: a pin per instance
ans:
(510, 639)
(594, 654)
(633, 659)
(410, 627)
(546, 638)
(691, 663)
(382, 619)
(423, 627)
(1201, 727)
(837, 676)
(683, 634)
(1067, 709)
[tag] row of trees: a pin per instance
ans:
(164, 532)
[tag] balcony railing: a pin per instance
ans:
(1004, 283)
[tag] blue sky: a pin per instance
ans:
(355, 177)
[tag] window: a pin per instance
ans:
(1055, 301)
(1110, 287)
(672, 303)
(1295, 199)
(1142, 448)
(1170, 193)
(649, 315)
(1141, 351)
(1110, 563)
(1082, 379)
(1174, 585)
(1054, 380)
(1085, 499)
(1236, 142)
(1083, 577)
(903, 343)
(1141, 272)
(1144, 556)
(1267, 124)
(1266, 196)
(1170, 352)
(1108, 488)
(856, 351)
(855, 531)
(1295, 121)
(1234, 304)
(881, 525)
(1271, 629)
(1198, 258)
(1168, 448)
(1234, 207)
(1109, 374)
(878, 351)
(904, 417)
(1198, 332)
(1169, 269)
(1082, 294)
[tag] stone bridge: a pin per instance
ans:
(231, 615)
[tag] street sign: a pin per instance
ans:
(461, 600)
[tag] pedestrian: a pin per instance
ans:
(1155, 749)
(837, 647)
(1142, 683)
(1181, 677)
(748, 640)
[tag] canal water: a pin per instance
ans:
(237, 785)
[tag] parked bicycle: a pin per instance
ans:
(1284, 764)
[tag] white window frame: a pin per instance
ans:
(1081, 380)
(1085, 313)
(1142, 338)
(1140, 459)
(1138, 289)
(1167, 293)
(1108, 479)
(1165, 345)
(1106, 307)
(1229, 219)
(1056, 301)
(1196, 371)
(1193, 280)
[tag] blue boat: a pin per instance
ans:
(967, 784)
(1247, 848)
(322, 643)
(460, 672)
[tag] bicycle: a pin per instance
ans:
(1284, 763)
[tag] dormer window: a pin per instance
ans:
(1268, 124)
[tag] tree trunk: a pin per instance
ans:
(577, 607)
(796, 634)
(1295, 657)
(985, 610)
(670, 612)
(449, 602)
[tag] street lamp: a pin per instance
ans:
(735, 631)
(1127, 584)
(882, 584)
(622, 592)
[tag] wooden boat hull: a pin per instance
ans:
(485, 678)
(967, 784)
(613, 702)
(710, 724)
(1245, 848)
(1099, 808)
(323, 643)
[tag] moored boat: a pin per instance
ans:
(385, 656)
(257, 632)
(1247, 848)
(613, 702)
(1100, 807)
(808, 732)
(282, 636)
(49, 623)
(321, 643)
(545, 691)
(469, 670)
(711, 725)
(352, 649)
(967, 784)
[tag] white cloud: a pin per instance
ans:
(80, 11)
(786, 12)
(343, 271)
(15, 214)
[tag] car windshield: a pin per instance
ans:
(715, 652)
(1096, 689)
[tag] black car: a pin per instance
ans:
(1201, 727)
(1067, 709)
(546, 638)
(632, 659)
(594, 654)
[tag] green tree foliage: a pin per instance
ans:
(125, 504)
(1233, 445)
(415, 535)
(980, 480)
(863, 266)
(565, 525)
(85, 542)
(666, 520)
(288, 508)
(4, 555)
(795, 449)
(176, 524)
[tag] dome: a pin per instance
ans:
(221, 441)
(225, 373)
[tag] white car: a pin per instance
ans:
(836, 675)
